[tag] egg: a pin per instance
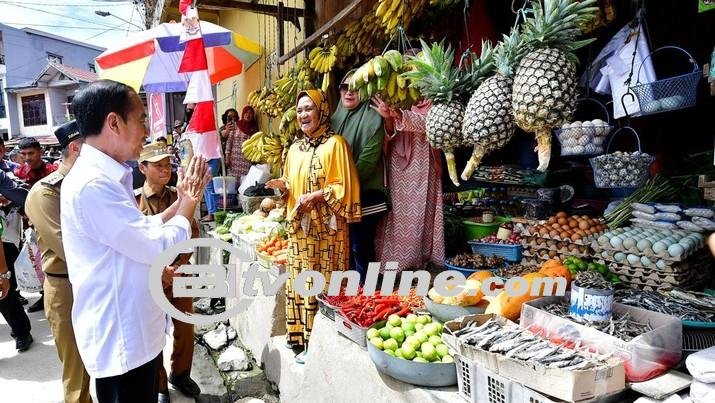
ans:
(676, 250)
(616, 242)
(645, 261)
(644, 245)
(604, 254)
(659, 247)
(633, 259)
(629, 243)
(619, 256)
(660, 264)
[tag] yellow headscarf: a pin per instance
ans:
(321, 102)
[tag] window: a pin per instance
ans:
(33, 110)
(51, 57)
(92, 68)
(2, 102)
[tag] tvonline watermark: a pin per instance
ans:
(240, 278)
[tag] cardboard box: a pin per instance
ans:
(563, 384)
(571, 386)
(644, 357)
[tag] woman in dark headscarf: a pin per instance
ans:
(323, 197)
(237, 133)
(362, 127)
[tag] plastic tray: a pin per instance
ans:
(511, 253)
(326, 309)
(351, 330)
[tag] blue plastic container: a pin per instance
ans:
(511, 253)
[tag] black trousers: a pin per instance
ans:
(140, 385)
(10, 306)
(362, 244)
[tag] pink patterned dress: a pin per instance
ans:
(412, 233)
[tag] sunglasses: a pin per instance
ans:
(344, 87)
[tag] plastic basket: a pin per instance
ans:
(621, 171)
(326, 309)
(219, 200)
(476, 230)
(511, 253)
(249, 204)
(668, 94)
(587, 140)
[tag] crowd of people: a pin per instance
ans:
(361, 183)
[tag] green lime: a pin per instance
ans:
(384, 333)
(377, 342)
(420, 359)
(389, 352)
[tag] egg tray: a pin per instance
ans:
(662, 284)
(583, 241)
(532, 244)
(597, 247)
(656, 279)
(670, 277)
(660, 287)
(670, 265)
(560, 252)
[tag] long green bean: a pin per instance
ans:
(656, 189)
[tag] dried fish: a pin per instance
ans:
(685, 305)
(592, 280)
(620, 325)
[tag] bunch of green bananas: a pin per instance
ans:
(391, 13)
(383, 75)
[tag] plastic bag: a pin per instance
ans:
(639, 222)
(646, 208)
(257, 174)
(689, 226)
(670, 217)
(28, 268)
(700, 212)
(669, 208)
(643, 216)
(706, 223)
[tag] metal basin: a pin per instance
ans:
(415, 373)
(445, 313)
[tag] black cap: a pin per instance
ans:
(67, 132)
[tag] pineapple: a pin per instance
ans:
(544, 90)
(434, 75)
(488, 120)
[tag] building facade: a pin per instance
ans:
(39, 74)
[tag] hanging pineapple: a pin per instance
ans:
(544, 92)
(488, 120)
(435, 76)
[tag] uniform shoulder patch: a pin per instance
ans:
(137, 191)
(53, 179)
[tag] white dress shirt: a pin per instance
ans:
(110, 246)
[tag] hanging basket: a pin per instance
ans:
(584, 138)
(668, 94)
(621, 169)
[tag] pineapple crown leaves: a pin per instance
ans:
(433, 72)
(557, 23)
(509, 52)
(479, 68)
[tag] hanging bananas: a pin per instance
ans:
(391, 13)
(264, 148)
(443, 3)
(383, 75)
(322, 60)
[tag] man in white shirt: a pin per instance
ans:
(110, 245)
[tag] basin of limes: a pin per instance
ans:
(410, 349)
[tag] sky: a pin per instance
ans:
(74, 19)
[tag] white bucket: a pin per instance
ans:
(229, 181)
(591, 304)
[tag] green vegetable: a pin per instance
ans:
(657, 189)
(221, 230)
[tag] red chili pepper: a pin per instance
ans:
(404, 311)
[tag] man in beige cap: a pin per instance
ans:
(176, 133)
(153, 198)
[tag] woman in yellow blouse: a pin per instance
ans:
(323, 191)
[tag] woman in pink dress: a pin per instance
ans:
(236, 132)
(412, 233)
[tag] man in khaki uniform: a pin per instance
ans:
(153, 198)
(43, 208)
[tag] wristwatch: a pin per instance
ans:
(6, 275)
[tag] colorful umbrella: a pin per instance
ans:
(151, 58)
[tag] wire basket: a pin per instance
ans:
(584, 138)
(619, 169)
(668, 94)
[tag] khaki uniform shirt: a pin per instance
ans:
(151, 203)
(43, 208)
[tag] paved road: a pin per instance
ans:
(35, 376)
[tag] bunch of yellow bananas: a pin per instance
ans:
(443, 3)
(322, 60)
(290, 84)
(391, 13)
(266, 101)
(361, 36)
(288, 128)
(264, 148)
(383, 75)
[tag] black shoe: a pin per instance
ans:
(39, 305)
(22, 299)
(22, 343)
(164, 397)
(185, 385)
